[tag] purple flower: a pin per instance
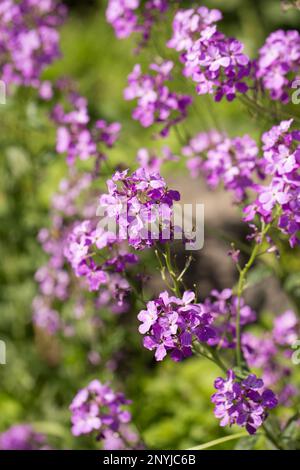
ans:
(244, 403)
(114, 294)
(258, 352)
(171, 324)
(279, 63)
(76, 135)
(215, 62)
(234, 162)
(97, 408)
(269, 352)
(155, 102)
(22, 437)
(222, 306)
(108, 133)
(281, 157)
(286, 328)
(82, 248)
(141, 204)
(44, 316)
(29, 41)
(96, 276)
(189, 24)
(129, 16)
(54, 279)
(96, 256)
(148, 317)
(121, 14)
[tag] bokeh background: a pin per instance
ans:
(171, 402)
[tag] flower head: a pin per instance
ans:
(22, 437)
(281, 157)
(29, 41)
(155, 102)
(170, 325)
(97, 408)
(233, 162)
(215, 62)
(141, 204)
(279, 63)
(77, 136)
(129, 16)
(222, 306)
(245, 403)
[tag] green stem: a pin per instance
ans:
(260, 109)
(217, 360)
(216, 442)
(272, 438)
(240, 290)
(171, 270)
(187, 265)
(162, 270)
(213, 356)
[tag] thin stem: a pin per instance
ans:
(260, 109)
(187, 265)
(240, 290)
(217, 360)
(216, 442)
(272, 438)
(213, 356)
(171, 271)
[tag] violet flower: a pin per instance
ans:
(155, 102)
(215, 62)
(22, 437)
(98, 409)
(170, 325)
(244, 403)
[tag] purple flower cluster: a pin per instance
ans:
(279, 63)
(268, 351)
(128, 16)
(22, 437)
(97, 408)
(114, 294)
(286, 328)
(171, 324)
(77, 137)
(82, 249)
(281, 155)
(141, 204)
(198, 147)
(121, 14)
(244, 403)
(234, 162)
(222, 306)
(29, 40)
(45, 316)
(215, 62)
(98, 257)
(53, 278)
(155, 101)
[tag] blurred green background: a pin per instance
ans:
(171, 402)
